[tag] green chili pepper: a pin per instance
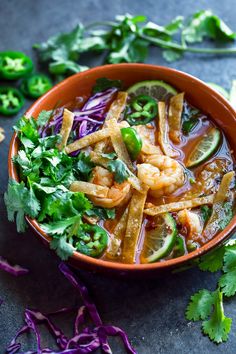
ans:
(14, 65)
(35, 85)
(144, 109)
(132, 141)
(93, 240)
(11, 100)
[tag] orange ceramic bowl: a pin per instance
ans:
(197, 93)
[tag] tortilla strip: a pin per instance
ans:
(134, 223)
(118, 235)
(67, 123)
(89, 188)
(224, 188)
(117, 106)
(219, 212)
(114, 112)
(88, 140)
(98, 159)
(174, 119)
(163, 133)
(137, 184)
(118, 143)
(183, 204)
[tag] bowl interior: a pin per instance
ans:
(196, 92)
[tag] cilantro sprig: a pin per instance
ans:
(207, 306)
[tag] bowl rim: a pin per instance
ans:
(117, 266)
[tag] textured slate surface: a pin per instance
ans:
(151, 311)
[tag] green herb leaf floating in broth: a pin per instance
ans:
(204, 148)
(120, 170)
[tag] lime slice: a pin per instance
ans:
(204, 148)
(219, 89)
(154, 88)
(159, 241)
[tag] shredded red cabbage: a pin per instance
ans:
(85, 340)
(15, 270)
(87, 120)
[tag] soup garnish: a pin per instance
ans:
(135, 176)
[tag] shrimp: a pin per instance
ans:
(162, 174)
(118, 194)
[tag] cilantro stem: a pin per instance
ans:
(182, 48)
(171, 45)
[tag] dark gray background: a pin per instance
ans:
(151, 311)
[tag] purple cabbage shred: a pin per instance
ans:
(85, 340)
(15, 270)
(86, 121)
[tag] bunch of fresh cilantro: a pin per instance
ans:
(43, 193)
(128, 38)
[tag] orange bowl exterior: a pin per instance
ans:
(197, 93)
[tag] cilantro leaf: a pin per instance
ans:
(31, 203)
(103, 84)
(83, 166)
(124, 42)
(218, 326)
(212, 261)
(22, 159)
(230, 257)
(171, 55)
(59, 227)
(43, 117)
(64, 46)
(120, 170)
(63, 249)
(227, 281)
(20, 202)
(189, 118)
(66, 67)
(205, 24)
(27, 127)
(163, 32)
(200, 305)
(175, 25)
(101, 213)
